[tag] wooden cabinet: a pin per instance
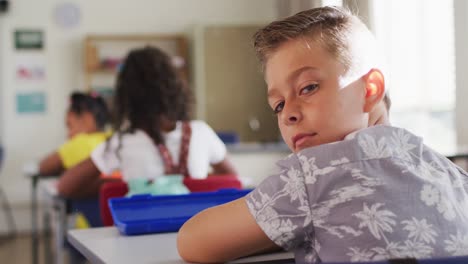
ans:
(104, 54)
(231, 91)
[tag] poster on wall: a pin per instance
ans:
(30, 68)
(29, 39)
(30, 102)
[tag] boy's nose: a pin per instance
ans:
(292, 115)
(292, 119)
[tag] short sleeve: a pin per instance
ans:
(105, 157)
(280, 206)
(216, 146)
(73, 151)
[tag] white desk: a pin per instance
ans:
(46, 184)
(107, 245)
(55, 207)
(30, 170)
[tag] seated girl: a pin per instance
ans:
(86, 119)
(154, 135)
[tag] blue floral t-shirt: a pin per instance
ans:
(378, 194)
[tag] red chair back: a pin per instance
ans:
(119, 188)
(212, 183)
(109, 190)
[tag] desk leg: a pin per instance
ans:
(46, 235)
(35, 234)
(61, 227)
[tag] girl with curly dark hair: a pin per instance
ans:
(153, 132)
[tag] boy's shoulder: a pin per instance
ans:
(375, 142)
(378, 131)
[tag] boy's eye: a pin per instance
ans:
(278, 108)
(309, 88)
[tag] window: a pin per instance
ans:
(418, 40)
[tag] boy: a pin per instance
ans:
(348, 192)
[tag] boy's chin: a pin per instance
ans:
(302, 147)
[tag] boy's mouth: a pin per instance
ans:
(300, 139)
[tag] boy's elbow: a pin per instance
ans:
(186, 247)
(182, 248)
(194, 248)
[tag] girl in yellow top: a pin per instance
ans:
(86, 119)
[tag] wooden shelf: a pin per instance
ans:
(115, 47)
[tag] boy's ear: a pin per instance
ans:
(375, 89)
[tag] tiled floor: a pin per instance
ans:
(18, 250)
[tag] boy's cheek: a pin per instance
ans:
(286, 137)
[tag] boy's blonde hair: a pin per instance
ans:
(335, 29)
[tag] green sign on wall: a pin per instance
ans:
(34, 102)
(29, 39)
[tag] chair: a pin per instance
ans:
(89, 208)
(212, 183)
(115, 189)
(6, 205)
(109, 190)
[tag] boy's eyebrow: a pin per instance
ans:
(297, 72)
(272, 92)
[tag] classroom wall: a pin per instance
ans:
(461, 66)
(28, 137)
(1, 74)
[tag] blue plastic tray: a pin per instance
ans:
(141, 214)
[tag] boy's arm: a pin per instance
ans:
(222, 233)
(51, 165)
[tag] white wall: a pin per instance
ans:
(2, 40)
(461, 62)
(29, 137)
(254, 167)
